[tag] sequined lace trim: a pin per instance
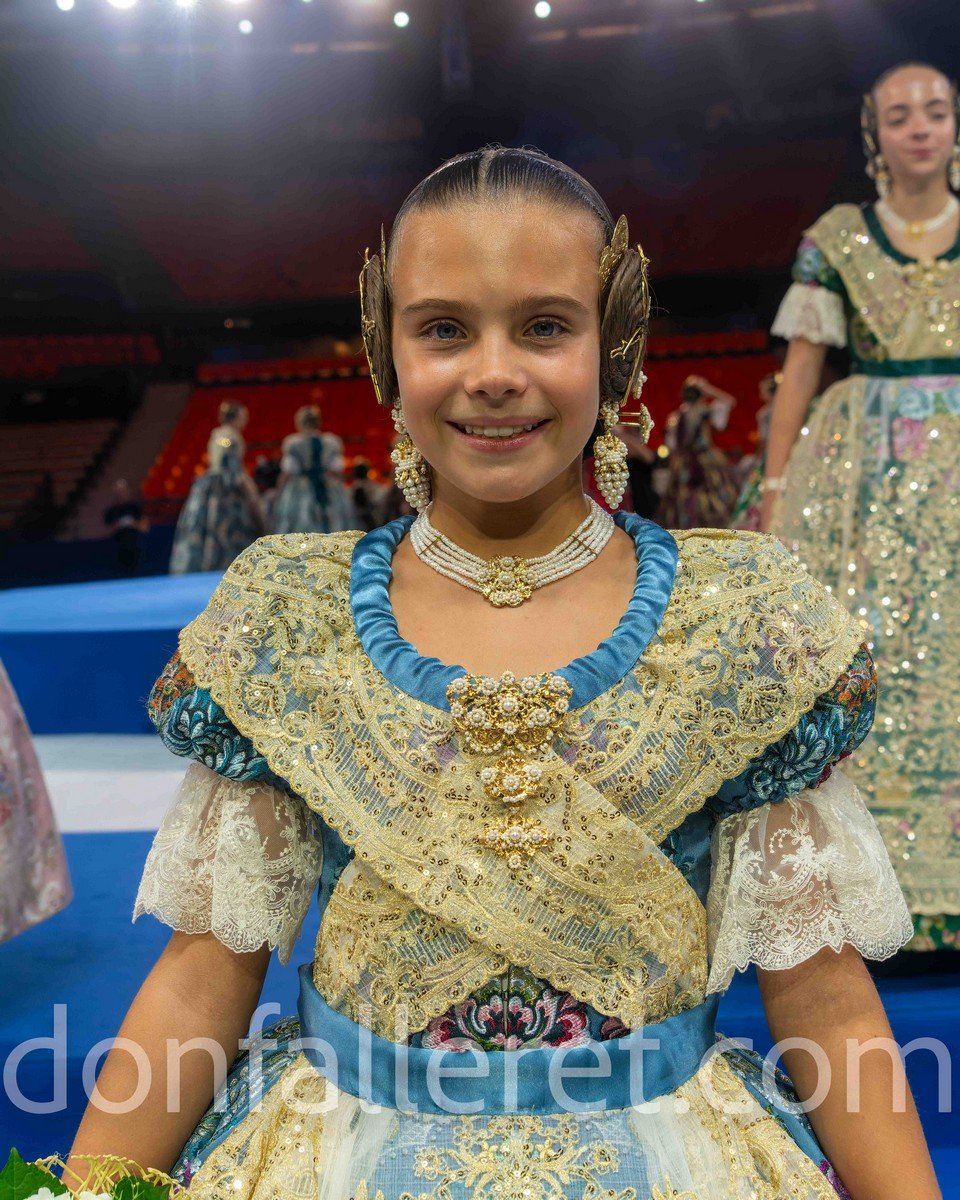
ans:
(909, 307)
(746, 645)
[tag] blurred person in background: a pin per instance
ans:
(124, 518)
(311, 494)
(368, 497)
(34, 880)
(864, 485)
(641, 465)
(701, 486)
(222, 514)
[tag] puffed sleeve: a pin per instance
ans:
(797, 862)
(813, 307)
(236, 855)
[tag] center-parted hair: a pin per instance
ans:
(504, 174)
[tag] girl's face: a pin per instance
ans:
(496, 342)
(916, 123)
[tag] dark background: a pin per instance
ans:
(164, 170)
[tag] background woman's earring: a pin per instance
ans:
(411, 472)
(610, 458)
(881, 176)
(955, 170)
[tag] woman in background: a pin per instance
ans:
(866, 489)
(222, 515)
(701, 485)
(311, 496)
(34, 881)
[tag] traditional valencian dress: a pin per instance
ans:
(701, 486)
(519, 879)
(314, 498)
(221, 515)
(34, 878)
(872, 507)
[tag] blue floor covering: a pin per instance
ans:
(83, 656)
(91, 959)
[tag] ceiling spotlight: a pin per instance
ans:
(401, 20)
(245, 27)
(542, 10)
(122, 3)
(65, 5)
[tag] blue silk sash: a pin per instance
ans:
(593, 1076)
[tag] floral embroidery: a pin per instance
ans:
(800, 760)
(811, 267)
(513, 1010)
(910, 438)
(521, 1158)
(611, 1028)
(916, 403)
(834, 1179)
(830, 732)
(191, 724)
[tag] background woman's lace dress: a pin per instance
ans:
(872, 507)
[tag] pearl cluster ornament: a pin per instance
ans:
(509, 580)
(411, 472)
(610, 459)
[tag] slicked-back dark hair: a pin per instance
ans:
(501, 171)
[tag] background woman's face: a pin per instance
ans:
(496, 327)
(917, 123)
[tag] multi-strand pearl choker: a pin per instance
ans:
(917, 229)
(508, 580)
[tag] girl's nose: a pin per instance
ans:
(495, 371)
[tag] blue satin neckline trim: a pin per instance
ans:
(427, 679)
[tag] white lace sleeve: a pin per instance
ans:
(237, 858)
(811, 312)
(793, 877)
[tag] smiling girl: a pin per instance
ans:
(868, 480)
(538, 869)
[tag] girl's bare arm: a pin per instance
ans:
(801, 379)
(830, 1002)
(197, 989)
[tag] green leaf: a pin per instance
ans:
(131, 1188)
(20, 1179)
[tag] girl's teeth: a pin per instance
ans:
(502, 432)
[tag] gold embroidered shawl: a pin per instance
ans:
(423, 915)
(912, 308)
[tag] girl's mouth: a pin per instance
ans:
(499, 437)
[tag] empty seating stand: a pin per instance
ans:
(37, 358)
(272, 391)
(64, 450)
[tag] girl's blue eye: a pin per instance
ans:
(546, 328)
(444, 331)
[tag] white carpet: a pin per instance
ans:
(108, 783)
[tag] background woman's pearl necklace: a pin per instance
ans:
(508, 580)
(917, 228)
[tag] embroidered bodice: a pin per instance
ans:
(732, 683)
(852, 287)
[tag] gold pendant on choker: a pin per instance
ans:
(506, 582)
